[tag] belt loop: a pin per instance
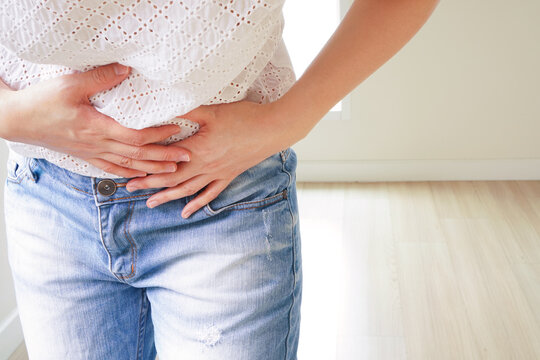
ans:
(30, 164)
(283, 155)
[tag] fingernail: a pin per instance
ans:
(120, 69)
(131, 188)
(170, 168)
(183, 157)
(152, 203)
(186, 213)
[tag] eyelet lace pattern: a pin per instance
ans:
(183, 54)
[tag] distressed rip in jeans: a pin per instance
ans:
(105, 277)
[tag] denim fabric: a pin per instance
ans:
(105, 277)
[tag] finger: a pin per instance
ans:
(149, 135)
(150, 167)
(211, 191)
(100, 78)
(114, 169)
(200, 114)
(186, 188)
(183, 173)
(148, 152)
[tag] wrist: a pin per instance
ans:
(279, 129)
(6, 117)
(298, 111)
(11, 114)
(287, 122)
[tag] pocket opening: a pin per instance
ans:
(246, 205)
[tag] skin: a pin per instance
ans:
(371, 32)
(57, 114)
(236, 136)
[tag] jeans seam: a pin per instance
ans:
(263, 202)
(16, 180)
(293, 237)
(294, 256)
(133, 247)
(86, 192)
(126, 197)
(285, 170)
(143, 316)
(30, 165)
(21, 174)
(103, 240)
(287, 154)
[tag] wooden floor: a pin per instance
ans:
(420, 270)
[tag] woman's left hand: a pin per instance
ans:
(232, 137)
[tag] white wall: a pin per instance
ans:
(10, 331)
(7, 300)
(459, 101)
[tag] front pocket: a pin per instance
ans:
(245, 205)
(261, 185)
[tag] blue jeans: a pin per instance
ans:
(98, 275)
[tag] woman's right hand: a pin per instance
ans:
(57, 114)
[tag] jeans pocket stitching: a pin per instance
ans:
(285, 154)
(244, 205)
(17, 170)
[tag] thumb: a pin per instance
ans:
(188, 142)
(201, 114)
(101, 78)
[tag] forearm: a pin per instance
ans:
(371, 32)
(5, 112)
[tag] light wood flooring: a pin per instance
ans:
(420, 270)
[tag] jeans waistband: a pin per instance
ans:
(102, 190)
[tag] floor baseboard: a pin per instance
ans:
(11, 335)
(417, 170)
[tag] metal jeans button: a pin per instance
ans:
(106, 187)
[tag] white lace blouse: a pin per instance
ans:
(182, 53)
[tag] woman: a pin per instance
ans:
(201, 124)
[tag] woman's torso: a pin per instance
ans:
(183, 54)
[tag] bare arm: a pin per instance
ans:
(371, 32)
